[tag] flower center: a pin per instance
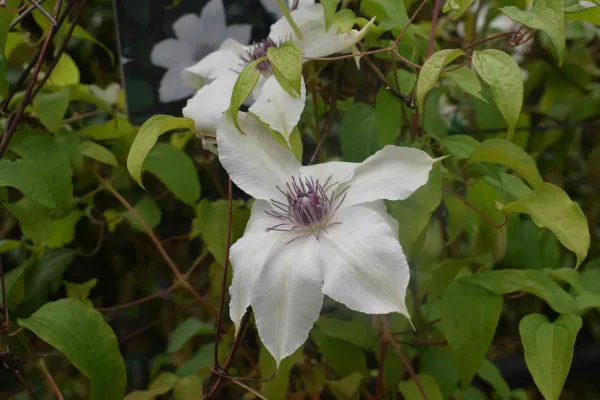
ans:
(259, 50)
(308, 207)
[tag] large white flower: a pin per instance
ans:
(273, 7)
(197, 36)
(271, 103)
(314, 231)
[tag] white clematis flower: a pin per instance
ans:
(271, 103)
(196, 36)
(314, 231)
(273, 7)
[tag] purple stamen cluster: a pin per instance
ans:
(308, 204)
(259, 50)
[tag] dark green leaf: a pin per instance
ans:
(147, 210)
(277, 387)
(186, 330)
(342, 356)
(410, 390)
(202, 360)
(491, 374)
(347, 388)
(358, 135)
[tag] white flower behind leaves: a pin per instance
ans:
(269, 101)
(196, 36)
(314, 231)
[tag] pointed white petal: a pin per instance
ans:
(381, 208)
(239, 32)
(337, 172)
(256, 162)
(275, 107)
(209, 103)
(215, 65)
(188, 28)
(171, 86)
(248, 256)
(393, 173)
(287, 297)
(306, 18)
(170, 53)
(363, 263)
(318, 43)
(212, 23)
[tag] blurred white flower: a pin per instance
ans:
(314, 231)
(270, 102)
(197, 36)
(273, 8)
(110, 94)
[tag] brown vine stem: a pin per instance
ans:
(487, 39)
(383, 346)
(181, 279)
(50, 379)
(434, 23)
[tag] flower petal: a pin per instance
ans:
(306, 18)
(188, 28)
(273, 8)
(170, 53)
(213, 24)
(209, 103)
(217, 64)
(248, 256)
(239, 32)
(380, 207)
(363, 263)
(275, 107)
(256, 162)
(287, 297)
(337, 172)
(171, 87)
(318, 43)
(393, 173)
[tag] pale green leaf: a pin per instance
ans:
(429, 74)
(286, 64)
(550, 207)
(344, 20)
(490, 373)
(84, 337)
(460, 146)
(466, 79)
(111, 129)
(188, 387)
(188, 329)
(97, 152)
(244, 85)
(457, 7)
(162, 384)
(545, 15)
(147, 210)
(329, 8)
(147, 137)
(509, 154)
(410, 390)
(500, 71)
(176, 170)
(62, 230)
(65, 73)
(34, 219)
(80, 291)
(549, 350)
(51, 108)
(469, 316)
(202, 360)
(591, 15)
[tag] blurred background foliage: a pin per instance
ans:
(75, 225)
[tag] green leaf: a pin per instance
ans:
(112, 129)
(244, 85)
(342, 356)
(3, 77)
(358, 135)
(6, 18)
(591, 15)
(547, 16)
(549, 350)
(460, 146)
(388, 117)
(358, 330)
(163, 384)
(51, 108)
(410, 390)
(62, 230)
(509, 154)
(467, 80)
(277, 387)
(469, 316)
(329, 7)
(84, 337)
(344, 20)
(458, 7)
(531, 281)
(80, 291)
(186, 330)
(148, 210)
(14, 282)
(502, 74)
(414, 213)
(438, 363)
(147, 137)
(429, 74)
(65, 73)
(34, 220)
(81, 33)
(286, 64)
(550, 207)
(389, 13)
(202, 360)
(99, 153)
(347, 388)
(457, 217)
(176, 170)
(491, 374)
(188, 387)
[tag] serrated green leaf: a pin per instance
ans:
(186, 330)
(490, 373)
(549, 350)
(410, 390)
(531, 281)
(545, 15)
(97, 152)
(502, 74)
(286, 64)
(51, 108)
(329, 8)
(176, 170)
(591, 15)
(65, 73)
(147, 137)
(509, 154)
(84, 337)
(550, 207)
(429, 74)
(466, 79)
(244, 85)
(469, 316)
